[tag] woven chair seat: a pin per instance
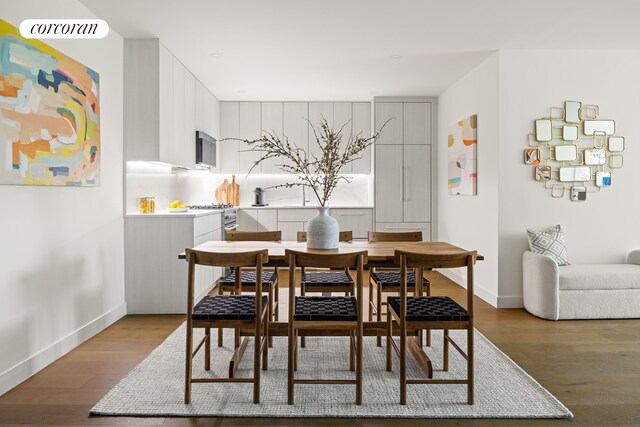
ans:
(437, 308)
(392, 278)
(333, 278)
(227, 307)
(249, 278)
(326, 308)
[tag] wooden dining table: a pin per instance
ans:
(379, 254)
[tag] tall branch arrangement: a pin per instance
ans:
(322, 173)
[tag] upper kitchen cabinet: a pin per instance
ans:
(416, 119)
(390, 113)
(207, 111)
(317, 112)
(164, 105)
(250, 129)
(361, 124)
(229, 128)
(272, 122)
(295, 125)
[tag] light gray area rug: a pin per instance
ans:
(156, 386)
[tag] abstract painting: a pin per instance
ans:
(49, 115)
(462, 147)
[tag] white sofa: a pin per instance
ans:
(581, 291)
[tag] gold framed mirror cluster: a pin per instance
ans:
(574, 151)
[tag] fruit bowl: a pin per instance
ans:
(176, 210)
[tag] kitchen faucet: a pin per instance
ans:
(304, 195)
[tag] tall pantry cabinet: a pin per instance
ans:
(403, 164)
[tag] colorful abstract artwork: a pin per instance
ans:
(49, 115)
(462, 148)
(531, 156)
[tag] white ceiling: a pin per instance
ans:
(342, 49)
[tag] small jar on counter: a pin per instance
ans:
(147, 205)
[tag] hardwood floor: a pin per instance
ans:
(593, 367)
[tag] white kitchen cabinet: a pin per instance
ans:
(267, 219)
(417, 183)
(417, 123)
(403, 183)
(229, 128)
(247, 219)
(393, 130)
(290, 221)
(250, 129)
(295, 125)
(155, 279)
(149, 122)
(178, 143)
(259, 219)
(342, 118)
(318, 111)
(361, 119)
(293, 214)
(201, 106)
(389, 184)
(290, 229)
(359, 221)
(405, 227)
(165, 111)
(272, 122)
(189, 131)
(403, 166)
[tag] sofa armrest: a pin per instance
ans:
(540, 285)
(634, 257)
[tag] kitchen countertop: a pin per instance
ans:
(167, 214)
(303, 207)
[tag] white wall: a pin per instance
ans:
(471, 222)
(62, 256)
(606, 226)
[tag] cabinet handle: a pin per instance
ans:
(402, 228)
(404, 169)
(352, 214)
(405, 180)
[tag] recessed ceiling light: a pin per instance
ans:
(395, 56)
(216, 55)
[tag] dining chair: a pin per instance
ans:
(326, 313)
(227, 311)
(431, 312)
(326, 281)
(269, 278)
(387, 280)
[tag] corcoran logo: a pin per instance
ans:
(64, 29)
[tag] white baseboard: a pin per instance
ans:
(513, 301)
(479, 290)
(23, 370)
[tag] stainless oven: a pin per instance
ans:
(229, 221)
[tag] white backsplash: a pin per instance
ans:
(198, 187)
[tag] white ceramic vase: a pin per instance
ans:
(323, 231)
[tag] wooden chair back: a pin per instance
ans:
(410, 236)
(254, 236)
(344, 236)
(227, 259)
(420, 262)
(327, 260)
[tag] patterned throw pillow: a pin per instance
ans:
(549, 242)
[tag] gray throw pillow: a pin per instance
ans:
(549, 242)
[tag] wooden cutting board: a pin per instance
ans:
(234, 192)
(222, 192)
